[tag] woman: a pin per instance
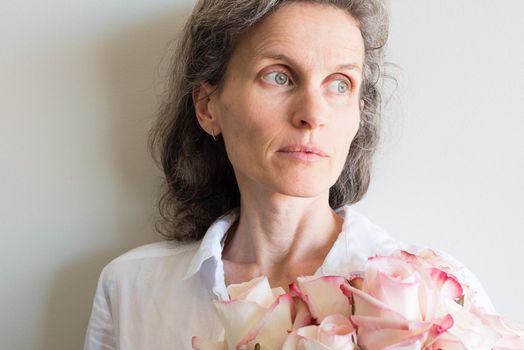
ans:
(265, 140)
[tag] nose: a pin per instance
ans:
(310, 109)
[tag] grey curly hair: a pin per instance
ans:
(200, 184)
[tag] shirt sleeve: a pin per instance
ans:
(100, 333)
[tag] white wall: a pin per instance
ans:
(79, 83)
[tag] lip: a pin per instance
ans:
(303, 152)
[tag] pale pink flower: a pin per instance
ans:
(399, 303)
(510, 335)
(428, 259)
(199, 343)
(255, 314)
(381, 327)
(446, 342)
(322, 295)
(335, 332)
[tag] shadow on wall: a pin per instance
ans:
(133, 69)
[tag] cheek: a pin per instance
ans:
(349, 127)
(247, 131)
(346, 135)
(241, 124)
(251, 117)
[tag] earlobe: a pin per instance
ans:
(362, 104)
(203, 110)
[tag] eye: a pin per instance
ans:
(278, 78)
(339, 86)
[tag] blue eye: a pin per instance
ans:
(278, 78)
(340, 86)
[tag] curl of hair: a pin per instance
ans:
(200, 184)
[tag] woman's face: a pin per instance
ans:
(289, 104)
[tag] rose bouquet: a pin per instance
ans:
(402, 301)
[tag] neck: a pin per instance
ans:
(281, 236)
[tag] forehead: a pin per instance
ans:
(312, 34)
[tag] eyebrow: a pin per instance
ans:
(283, 57)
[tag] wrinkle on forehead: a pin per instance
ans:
(323, 38)
(335, 41)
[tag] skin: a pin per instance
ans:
(294, 79)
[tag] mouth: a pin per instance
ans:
(303, 152)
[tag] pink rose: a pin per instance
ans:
(447, 342)
(505, 335)
(409, 286)
(511, 335)
(255, 314)
(335, 332)
(427, 259)
(322, 295)
(199, 343)
(399, 303)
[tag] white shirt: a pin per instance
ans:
(156, 297)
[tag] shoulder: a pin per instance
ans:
(128, 287)
(147, 260)
(362, 223)
(358, 240)
(156, 250)
(365, 237)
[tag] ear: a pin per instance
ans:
(205, 114)
(362, 104)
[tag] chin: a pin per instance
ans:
(303, 189)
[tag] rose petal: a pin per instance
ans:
(366, 305)
(337, 332)
(203, 344)
(278, 291)
(323, 296)
(310, 344)
(291, 341)
(303, 315)
(416, 334)
(470, 329)
(257, 290)
(433, 329)
(447, 342)
(446, 283)
(511, 335)
(238, 318)
(396, 283)
(273, 328)
(400, 296)
(397, 270)
(378, 323)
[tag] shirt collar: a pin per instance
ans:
(212, 243)
(359, 240)
(339, 252)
